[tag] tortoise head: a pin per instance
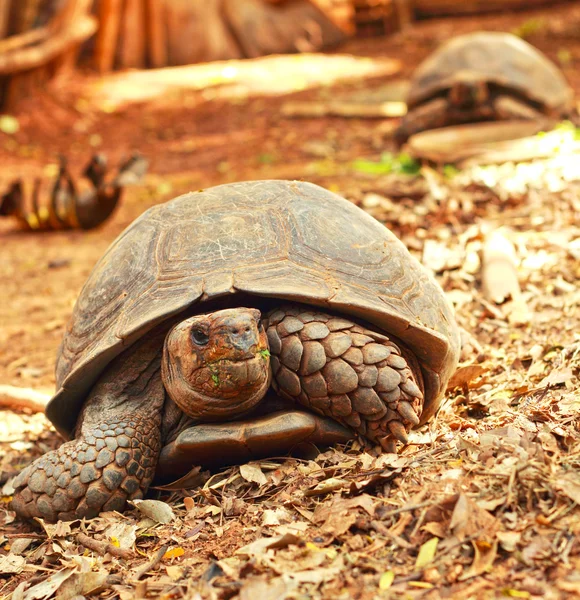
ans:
(468, 91)
(217, 366)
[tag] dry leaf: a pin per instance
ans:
(386, 580)
(159, 511)
(426, 553)
(11, 564)
(265, 588)
(253, 473)
(485, 554)
(509, 540)
(175, 572)
(45, 589)
(81, 584)
(568, 482)
(174, 553)
(328, 485)
(464, 375)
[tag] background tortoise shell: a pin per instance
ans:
(283, 239)
(497, 57)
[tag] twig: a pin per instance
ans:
(152, 563)
(103, 547)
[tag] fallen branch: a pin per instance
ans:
(16, 398)
(103, 548)
(152, 563)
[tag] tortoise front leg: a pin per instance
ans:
(99, 471)
(342, 370)
(113, 457)
(431, 115)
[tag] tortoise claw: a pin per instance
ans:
(398, 430)
(407, 412)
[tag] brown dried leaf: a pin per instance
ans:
(557, 377)
(568, 482)
(12, 563)
(159, 511)
(465, 375)
(45, 589)
(468, 519)
(328, 485)
(253, 473)
(485, 554)
(340, 515)
(266, 588)
(81, 584)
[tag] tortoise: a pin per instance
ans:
(484, 76)
(232, 323)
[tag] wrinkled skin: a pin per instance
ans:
(217, 367)
(214, 371)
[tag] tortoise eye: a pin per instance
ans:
(199, 337)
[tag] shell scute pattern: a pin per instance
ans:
(274, 244)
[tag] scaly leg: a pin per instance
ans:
(114, 455)
(345, 371)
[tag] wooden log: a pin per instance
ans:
(295, 26)
(41, 54)
(156, 33)
(71, 14)
(28, 38)
(5, 6)
(108, 34)
(131, 52)
(196, 32)
(405, 15)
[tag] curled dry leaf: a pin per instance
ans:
(485, 554)
(253, 473)
(159, 511)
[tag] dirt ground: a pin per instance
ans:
(481, 504)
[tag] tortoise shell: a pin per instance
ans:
(281, 239)
(495, 57)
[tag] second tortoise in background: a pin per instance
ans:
(484, 76)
